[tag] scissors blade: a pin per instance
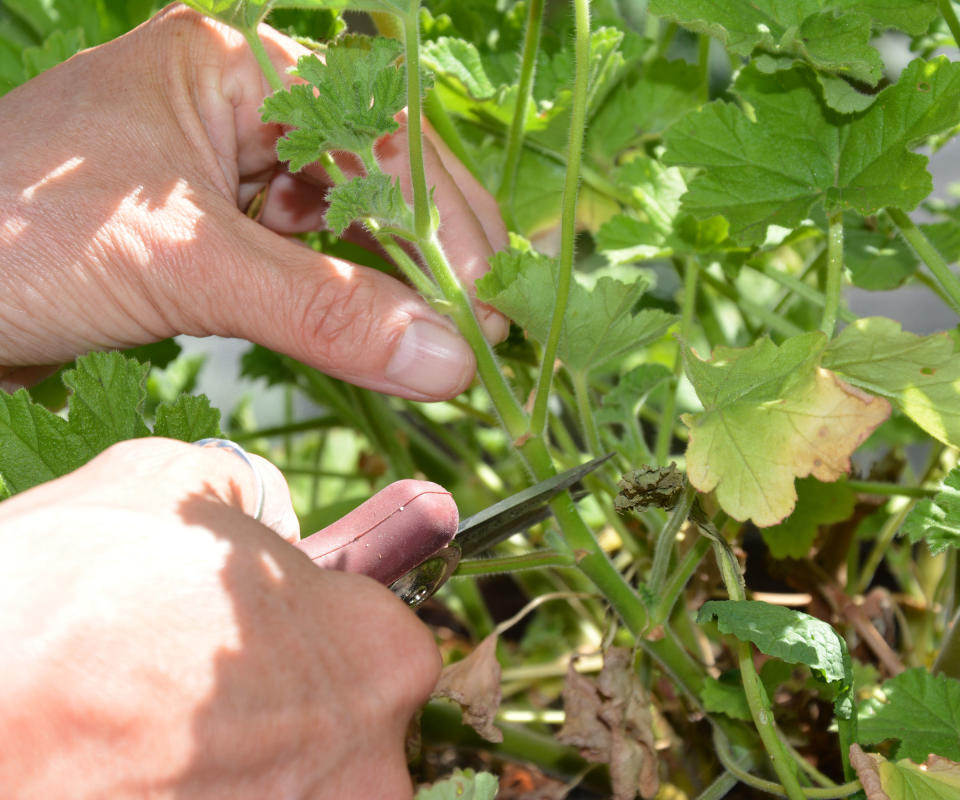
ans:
(518, 512)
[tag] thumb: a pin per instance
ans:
(349, 321)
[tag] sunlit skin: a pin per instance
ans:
(155, 640)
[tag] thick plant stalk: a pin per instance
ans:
(568, 220)
(930, 256)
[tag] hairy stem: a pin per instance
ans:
(666, 539)
(422, 218)
(263, 60)
(665, 430)
(929, 255)
(568, 216)
(950, 17)
(531, 45)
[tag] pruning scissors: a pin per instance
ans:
(485, 529)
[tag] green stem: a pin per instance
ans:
(929, 254)
(950, 17)
(422, 218)
(674, 587)
(581, 392)
(531, 44)
(880, 546)
(757, 700)
(263, 60)
(801, 289)
(312, 424)
(834, 281)
(445, 127)
(667, 538)
(511, 413)
(772, 320)
(722, 749)
(668, 418)
(496, 566)
(568, 215)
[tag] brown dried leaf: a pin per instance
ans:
(609, 720)
(473, 683)
(867, 769)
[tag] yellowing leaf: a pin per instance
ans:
(474, 684)
(937, 778)
(772, 415)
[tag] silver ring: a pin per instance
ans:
(233, 447)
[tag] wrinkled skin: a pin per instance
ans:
(155, 640)
(158, 642)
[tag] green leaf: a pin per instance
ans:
(462, 785)
(620, 404)
(107, 401)
(935, 779)
(817, 504)
(919, 374)
(104, 407)
(241, 14)
(57, 47)
(877, 260)
(460, 60)
(662, 93)
(35, 445)
(790, 154)
(376, 197)
(188, 418)
(832, 35)
(791, 636)
(937, 520)
(764, 394)
(600, 323)
(921, 710)
(347, 103)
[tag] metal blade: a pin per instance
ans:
(519, 511)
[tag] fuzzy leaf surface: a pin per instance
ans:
(919, 374)
(771, 415)
(791, 636)
(188, 419)
(937, 520)
(346, 103)
(600, 323)
(921, 710)
(797, 154)
(376, 197)
(105, 404)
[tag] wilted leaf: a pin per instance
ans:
(609, 720)
(649, 486)
(473, 683)
(772, 415)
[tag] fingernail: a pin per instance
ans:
(431, 360)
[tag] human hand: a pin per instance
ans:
(122, 178)
(157, 641)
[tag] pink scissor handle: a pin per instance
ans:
(389, 534)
